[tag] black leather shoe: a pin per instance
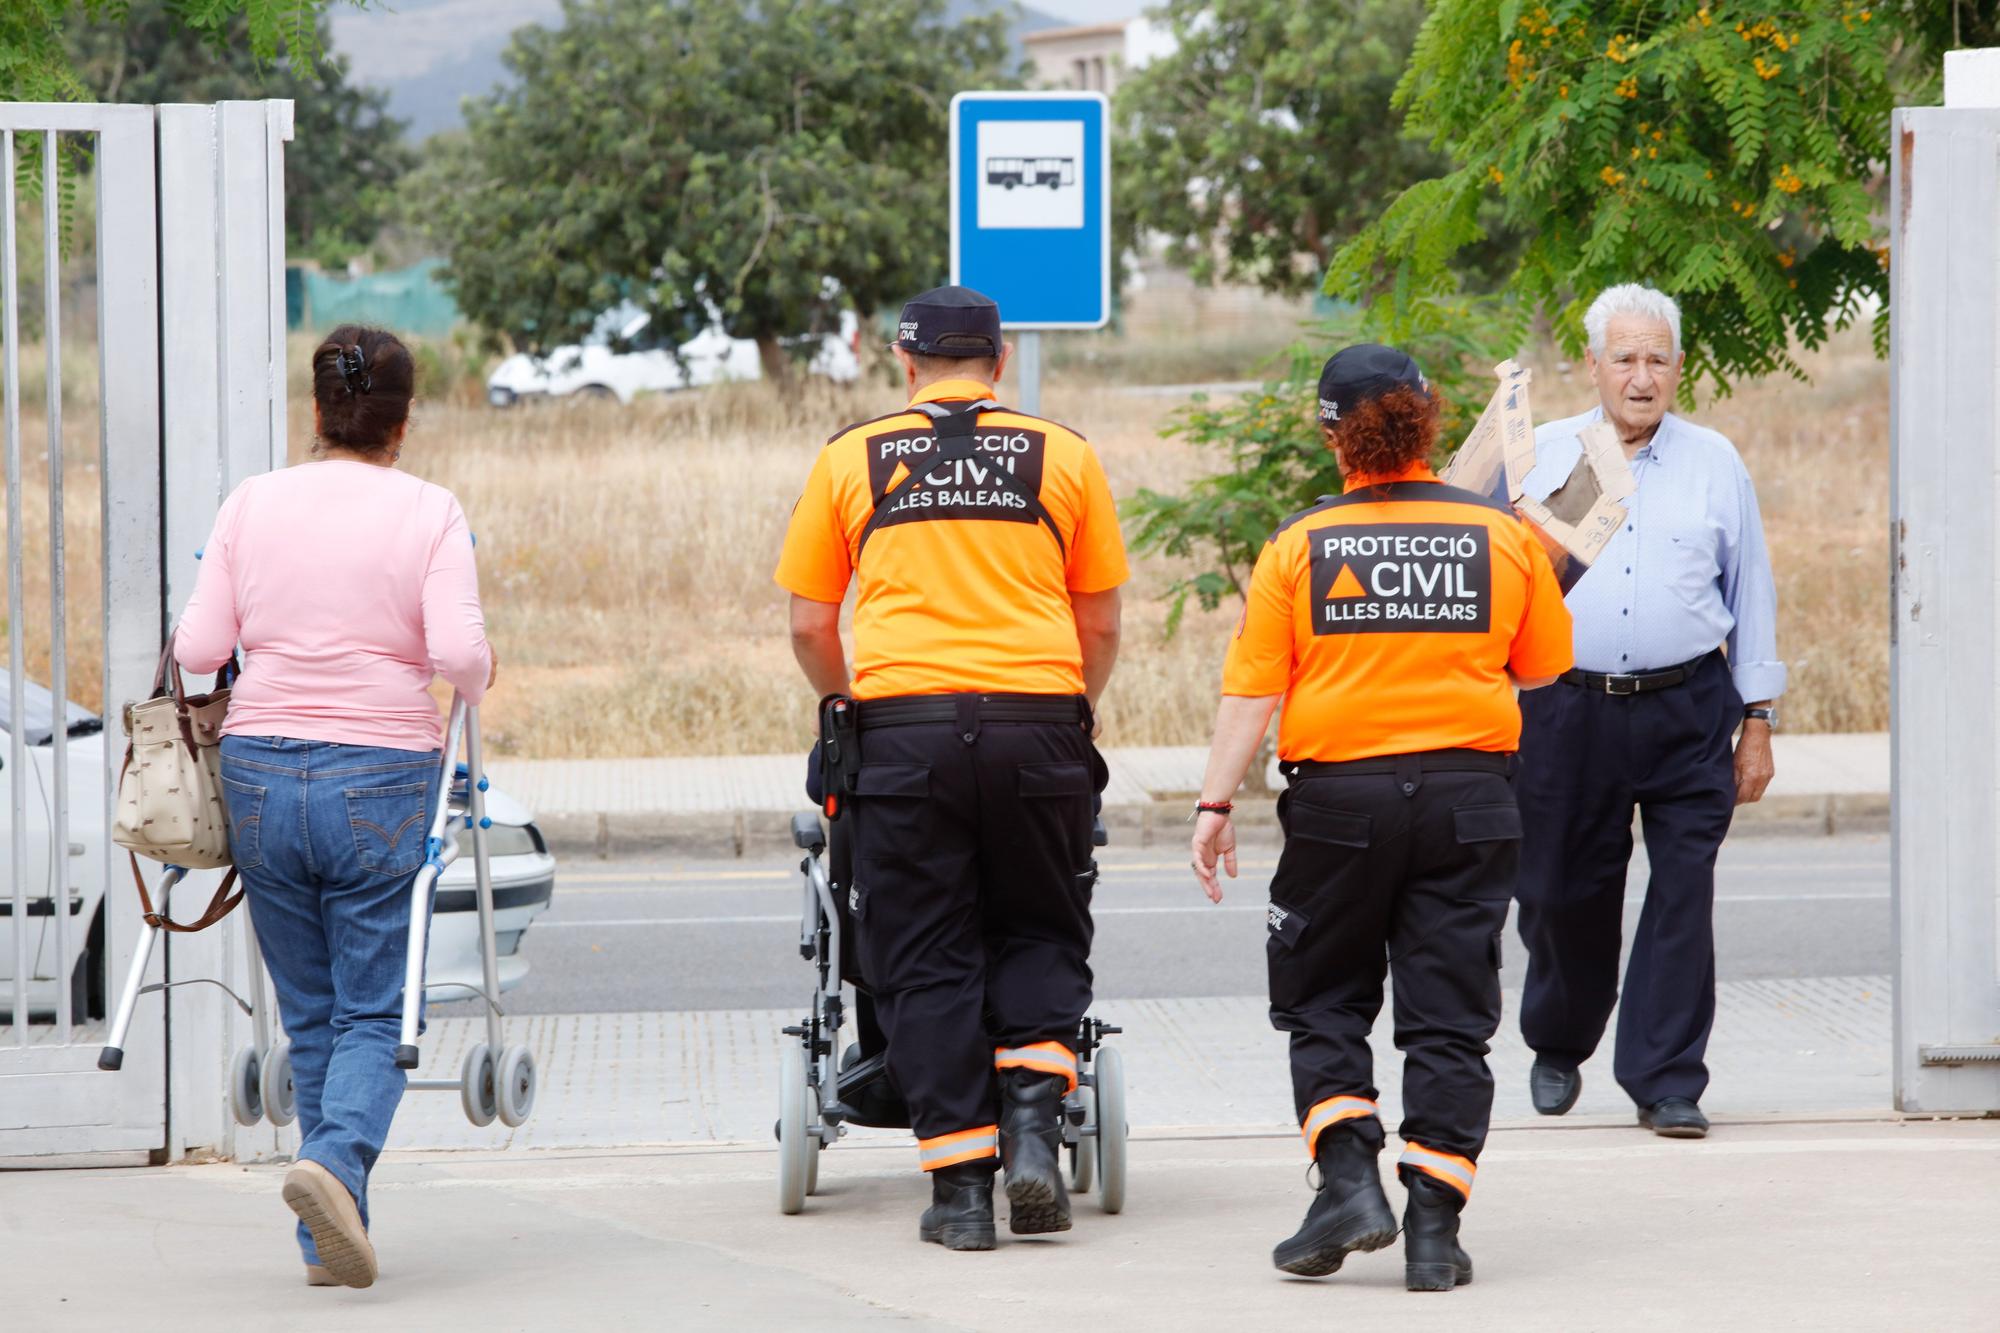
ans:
(1674, 1118)
(1349, 1213)
(1433, 1260)
(1553, 1088)
(961, 1213)
(1031, 1151)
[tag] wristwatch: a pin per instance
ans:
(1768, 716)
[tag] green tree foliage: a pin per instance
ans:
(1273, 458)
(1267, 137)
(1728, 153)
(775, 161)
(35, 63)
(346, 154)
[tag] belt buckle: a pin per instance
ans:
(1621, 685)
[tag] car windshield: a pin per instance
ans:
(38, 712)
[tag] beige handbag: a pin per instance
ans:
(170, 804)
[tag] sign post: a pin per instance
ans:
(1031, 213)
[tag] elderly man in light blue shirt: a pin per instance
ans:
(1669, 710)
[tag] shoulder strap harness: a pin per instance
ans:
(954, 433)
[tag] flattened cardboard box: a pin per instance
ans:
(1584, 512)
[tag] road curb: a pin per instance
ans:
(761, 834)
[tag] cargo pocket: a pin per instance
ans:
(388, 827)
(1497, 822)
(1317, 823)
(909, 781)
(1491, 832)
(1055, 805)
(244, 804)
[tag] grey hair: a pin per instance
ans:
(1631, 298)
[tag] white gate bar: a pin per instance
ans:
(58, 588)
(17, 751)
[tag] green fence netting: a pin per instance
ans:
(409, 300)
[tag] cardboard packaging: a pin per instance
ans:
(1581, 514)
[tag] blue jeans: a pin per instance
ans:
(327, 839)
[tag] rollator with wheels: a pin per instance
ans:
(260, 1074)
(494, 1079)
(823, 1088)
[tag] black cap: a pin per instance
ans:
(1353, 375)
(950, 321)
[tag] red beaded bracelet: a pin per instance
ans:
(1214, 807)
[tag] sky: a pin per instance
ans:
(428, 54)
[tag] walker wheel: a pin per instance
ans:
(1111, 1128)
(516, 1084)
(475, 1085)
(795, 1145)
(1083, 1142)
(280, 1102)
(246, 1096)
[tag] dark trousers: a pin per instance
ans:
(1587, 759)
(1407, 872)
(972, 872)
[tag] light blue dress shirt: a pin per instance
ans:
(1687, 573)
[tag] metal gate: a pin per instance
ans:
(1944, 504)
(177, 224)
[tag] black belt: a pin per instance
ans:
(1639, 682)
(971, 709)
(1424, 761)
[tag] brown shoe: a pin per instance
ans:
(328, 1211)
(319, 1277)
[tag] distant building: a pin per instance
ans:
(1093, 58)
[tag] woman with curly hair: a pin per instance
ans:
(1395, 622)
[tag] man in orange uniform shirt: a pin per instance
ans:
(988, 559)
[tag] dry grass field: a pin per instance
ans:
(626, 554)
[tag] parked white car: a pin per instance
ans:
(597, 368)
(523, 877)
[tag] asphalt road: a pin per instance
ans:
(625, 935)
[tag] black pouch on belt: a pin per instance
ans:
(839, 752)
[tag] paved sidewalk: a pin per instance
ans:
(1830, 1224)
(701, 1077)
(743, 804)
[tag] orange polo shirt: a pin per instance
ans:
(961, 588)
(1389, 618)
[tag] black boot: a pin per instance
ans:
(1432, 1257)
(1031, 1149)
(961, 1213)
(1350, 1212)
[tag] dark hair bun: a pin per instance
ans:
(363, 380)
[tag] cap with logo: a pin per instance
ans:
(950, 321)
(1356, 374)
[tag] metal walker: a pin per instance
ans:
(495, 1080)
(260, 1075)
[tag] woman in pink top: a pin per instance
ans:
(350, 586)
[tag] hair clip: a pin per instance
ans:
(353, 367)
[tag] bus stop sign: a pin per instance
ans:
(1031, 205)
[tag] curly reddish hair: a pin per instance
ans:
(1387, 434)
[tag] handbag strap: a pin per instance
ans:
(219, 906)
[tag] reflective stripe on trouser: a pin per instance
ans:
(1456, 1172)
(968, 1145)
(1047, 1057)
(1331, 1112)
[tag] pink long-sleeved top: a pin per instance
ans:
(349, 586)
